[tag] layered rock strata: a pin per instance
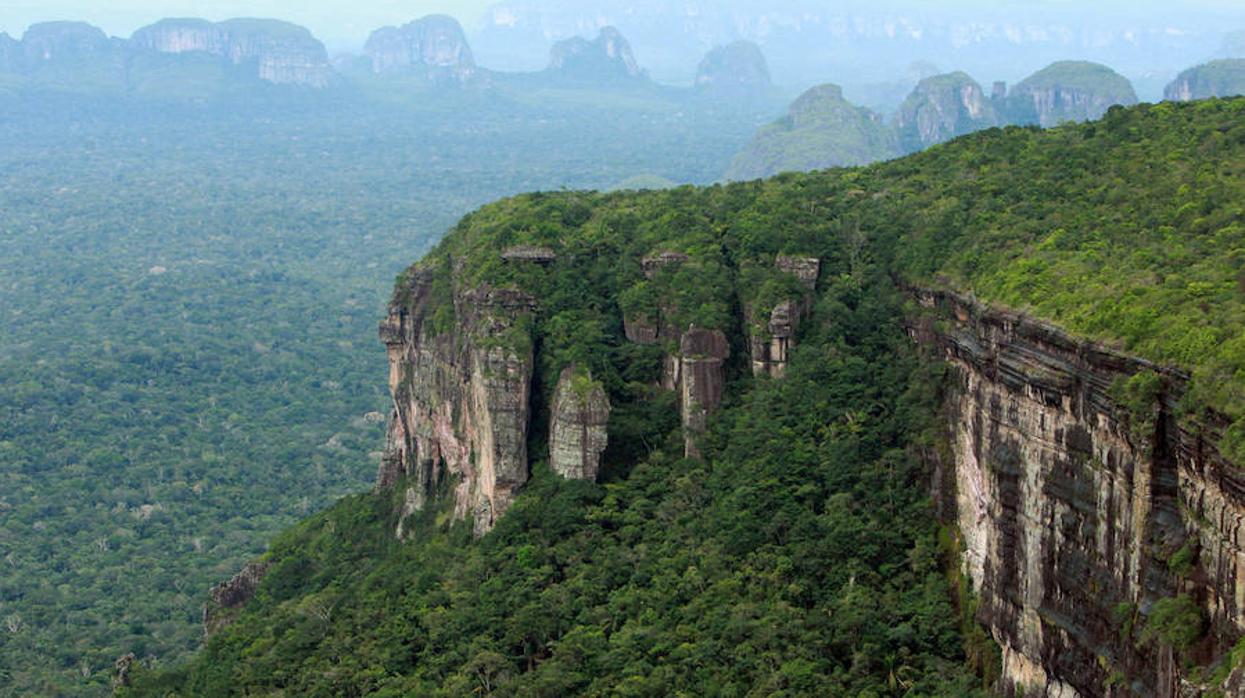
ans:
(434, 47)
(275, 51)
(460, 400)
(578, 425)
(770, 346)
(1074, 510)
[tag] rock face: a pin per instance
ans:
(1068, 91)
(72, 56)
(941, 108)
(460, 399)
(608, 59)
(822, 130)
(1074, 510)
(701, 379)
(1225, 78)
(738, 68)
(578, 425)
(224, 600)
(10, 54)
(771, 345)
(433, 48)
(273, 51)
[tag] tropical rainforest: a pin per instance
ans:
(190, 293)
(801, 554)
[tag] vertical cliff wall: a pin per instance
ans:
(460, 399)
(1083, 516)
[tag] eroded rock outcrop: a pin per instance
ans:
(227, 598)
(736, 69)
(1068, 91)
(771, 345)
(1225, 78)
(460, 398)
(578, 425)
(701, 377)
(941, 108)
(608, 58)
(273, 51)
(433, 48)
(1079, 514)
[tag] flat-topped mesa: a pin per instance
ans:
(460, 398)
(434, 48)
(702, 379)
(529, 253)
(227, 598)
(578, 425)
(770, 345)
(278, 52)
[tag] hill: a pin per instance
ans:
(764, 518)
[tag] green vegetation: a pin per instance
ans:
(822, 130)
(1177, 621)
(1223, 78)
(189, 300)
(797, 559)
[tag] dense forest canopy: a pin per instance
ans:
(189, 296)
(800, 555)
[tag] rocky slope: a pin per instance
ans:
(1068, 91)
(738, 68)
(273, 51)
(1081, 514)
(433, 48)
(822, 129)
(941, 108)
(606, 59)
(1225, 78)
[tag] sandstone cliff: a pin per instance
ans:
(1068, 91)
(271, 50)
(460, 398)
(941, 108)
(1225, 78)
(1082, 514)
(578, 425)
(72, 56)
(606, 59)
(738, 68)
(770, 340)
(226, 599)
(433, 48)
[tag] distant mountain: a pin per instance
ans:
(822, 130)
(606, 59)
(271, 50)
(736, 68)
(1068, 91)
(941, 108)
(433, 48)
(1222, 78)
(70, 56)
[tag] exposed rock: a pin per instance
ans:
(701, 378)
(69, 56)
(271, 50)
(54, 42)
(1225, 78)
(10, 54)
(1070, 508)
(1068, 91)
(771, 345)
(460, 400)
(998, 92)
(121, 671)
(655, 263)
(941, 108)
(606, 59)
(822, 130)
(528, 253)
(433, 48)
(578, 425)
(738, 68)
(226, 599)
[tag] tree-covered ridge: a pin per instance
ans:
(799, 558)
(1128, 230)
